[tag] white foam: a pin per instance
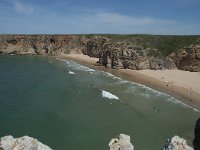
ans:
(108, 74)
(65, 61)
(77, 66)
(109, 95)
(150, 91)
(111, 75)
(70, 72)
(195, 109)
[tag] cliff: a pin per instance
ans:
(41, 44)
(134, 52)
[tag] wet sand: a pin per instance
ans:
(183, 85)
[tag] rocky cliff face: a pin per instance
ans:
(187, 58)
(22, 143)
(41, 44)
(126, 54)
(120, 53)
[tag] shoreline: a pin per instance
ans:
(151, 78)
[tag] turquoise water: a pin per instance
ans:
(61, 104)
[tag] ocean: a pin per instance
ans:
(68, 106)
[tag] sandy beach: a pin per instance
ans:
(183, 85)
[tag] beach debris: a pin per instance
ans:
(122, 142)
(176, 143)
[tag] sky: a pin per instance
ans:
(171, 17)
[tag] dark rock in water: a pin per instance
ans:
(196, 141)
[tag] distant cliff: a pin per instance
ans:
(114, 51)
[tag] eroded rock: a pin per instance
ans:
(22, 143)
(121, 143)
(176, 143)
(187, 58)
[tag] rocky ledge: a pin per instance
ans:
(22, 143)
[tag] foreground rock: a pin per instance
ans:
(22, 143)
(176, 143)
(121, 143)
(196, 141)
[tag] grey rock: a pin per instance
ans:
(22, 143)
(121, 143)
(176, 143)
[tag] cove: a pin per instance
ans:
(69, 106)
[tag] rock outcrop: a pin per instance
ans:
(176, 143)
(187, 58)
(41, 44)
(121, 143)
(112, 53)
(126, 54)
(22, 143)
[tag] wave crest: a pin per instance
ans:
(109, 95)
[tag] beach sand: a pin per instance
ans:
(183, 85)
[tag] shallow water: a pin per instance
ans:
(68, 106)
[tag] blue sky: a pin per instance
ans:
(102, 16)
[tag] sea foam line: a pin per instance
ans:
(77, 66)
(158, 93)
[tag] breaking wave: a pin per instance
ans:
(109, 95)
(77, 66)
(70, 72)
